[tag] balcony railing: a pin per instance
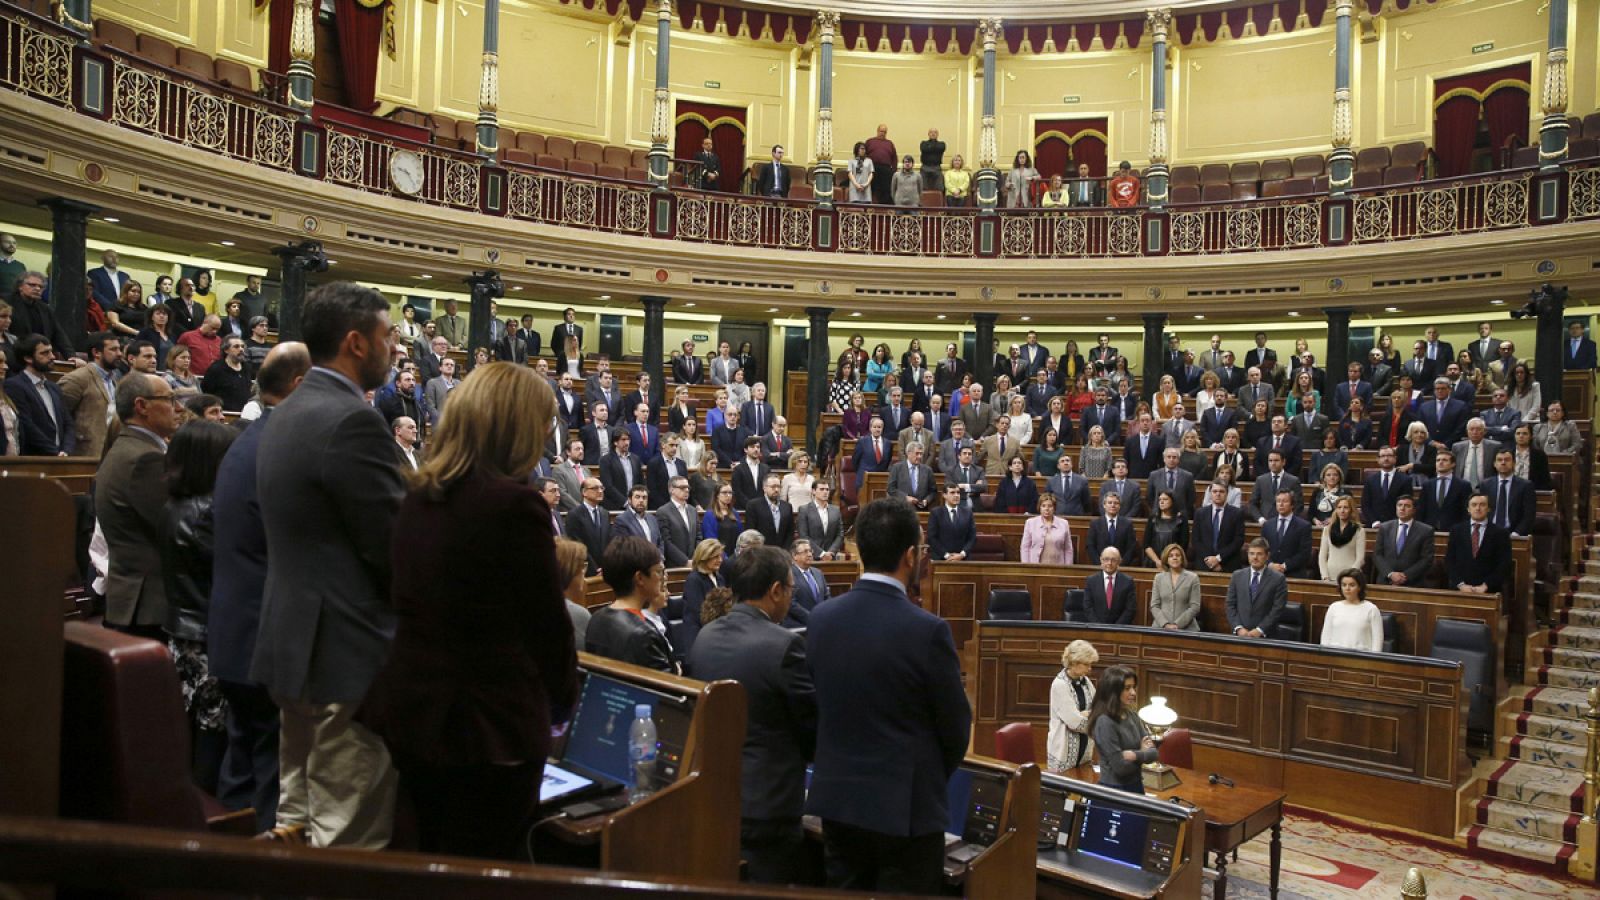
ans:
(41, 60)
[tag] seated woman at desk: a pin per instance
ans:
(1071, 696)
(1354, 621)
(1120, 739)
(633, 569)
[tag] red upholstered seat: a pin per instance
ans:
(1273, 188)
(799, 190)
(546, 161)
(158, 51)
(1584, 148)
(1400, 175)
(988, 548)
(193, 62)
(1184, 176)
(1177, 749)
(1408, 154)
(1244, 173)
(530, 141)
(1319, 184)
(410, 117)
(581, 167)
(1308, 166)
(1213, 173)
(520, 157)
(675, 179)
(616, 156)
(605, 170)
(1295, 187)
(1591, 125)
(1368, 179)
(563, 147)
(467, 133)
(932, 199)
(1525, 157)
(589, 151)
(641, 159)
(1186, 193)
(1216, 193)
(640, 175)
(115, 34)
(234, 74)
(1245, 191)
(1013, 742)
(1277, 169)
(1372, 159)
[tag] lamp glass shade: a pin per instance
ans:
(1158, 713)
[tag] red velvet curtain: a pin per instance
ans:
(1505, 112)
(1455, 129)
(1061, 144)
(360, 32)
(727, 137)
(1461, 100)
(280, 22)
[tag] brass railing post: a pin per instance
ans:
(1582, 865)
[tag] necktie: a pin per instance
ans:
(594, 513)
(1386, 484)
(683, 513)
(774, 507)
(1111, 529)
(877, 449)
(1277, 444)
(913, 471)
(1503, 505)
(555, 525)
(1216, 531)
(1255, 583)
(1477, 538)
(1444, 488)
(1170, 485)
(1002, 446)
(1283, 526)
(1275, 480)
(1400, 537)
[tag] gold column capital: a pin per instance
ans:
(1159, 22)
(828, 23)
(303, 31)
(1345, 8)
(989, 32)
(663, 9)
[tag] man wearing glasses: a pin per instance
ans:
(130, 496)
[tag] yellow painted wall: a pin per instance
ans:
(1272, 96)
(762, 79)
(235, 29)
(910, 94)
(1113, 84)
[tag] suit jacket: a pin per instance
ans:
(648, 527)
(1490, 566)
(1100, 537)
(1021, 496)
(645, 442)
(1444, 513)
(1109, 421)
(1071, 493)
(1310, 434)
(1086, 192)
(826, 538)
(1216, 421)
(758, 516)
(747, 485)
(106, 293)
(1481, 357)
(979, 419)
(728, 444)
(1131, 493)
(1264, 498)
(895, 418)
(780, 737)
(1141, 464)
(722, 370)
(1227, 542)
(1038, 399)
(1249, 394)
(972, 480)
(1341, 396)
(678, 538)
(615, 469)
(452, 329)
(689, 369)
(1291, 453)
(330, 487)
(1381, 377)
(772, 181)
(593, 393)
(130, 504)
(947, 374)
(1522, 501)
(947, 536)
(756, 416)
(925, 439)
(1584, 359)
(1183, 490)
(1114, 610)
(868, 458)
(596, 440)
(900, 483)
(893, 720)
(41, 436)
(239, 559)
(570, 408)
(658, 473)
(949, 455)
(994, 460)
(511, 348)
(1231, 377)
(1377, 505)
(1291, 546)
(582, 527)
(1485, 458)
(1501, 423)
(1256, 356)
(83, 391)
(1415, 559)
(1422, 372)
(810, 589)
(1263, 610)
(558, 342)
(1451, 427)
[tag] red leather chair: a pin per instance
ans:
(1177, 749)
(1013, 742)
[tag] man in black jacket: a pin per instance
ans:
(749, 646)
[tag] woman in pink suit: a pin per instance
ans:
(1046, 538)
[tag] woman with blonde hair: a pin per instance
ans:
(1071, 693)
(1165, 398)
(1344, 541)
(705, 576)
(179, 377)
(796, 487)
(12, 426)
(572, 561)
(464, 735)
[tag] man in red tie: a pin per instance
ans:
(1110, 593)
(776, 446)
(1478, 558)
(873, 453)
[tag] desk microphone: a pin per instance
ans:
(1221, 779)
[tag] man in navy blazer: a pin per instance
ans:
(810, 585)
(1281, 440)
(1443, 501)
(1382, 488)
(644, 436)
(951, 530)
(1144, 448)
(1352, 387)
(1288, 538)
(1512, 501)
(569, 403)
(893, 721)
(239, 579)
(1218, 533)
(1486, 568)
(1103, 413)
(1444, 415)
(874, 452)
(1257, 595)
(1577, 351)
(1116, 605)
(637, 521)
(47, 430)
(1112, 530)
(107, 280)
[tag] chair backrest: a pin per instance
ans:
(606, 170)
(125, 742)
(193, 62)
(1410, 153)
(522, 157)
(1245, 172)
(1244, 191)
(616, 156)
(1075, 607)
(1401, 174)
(1273, 188)
(581, 167)
(1391, 631)
(234, 74)
(556, 145)
(467, 133)
(1277, 169)
(1368, 179)
(1525, 157)
(532, 142)
(1013, 742)
(1177, 748)
(554, 163)
(1215, 193)
(158, 51)
(1186, 193)
(639, 175)
(1586, 147)
(1292, 624)
(932, 199)
(1308, 166)
(1319, 184)
(589, 151)
(1214, 173)
(1185, 176)
(1010, 603)
(1472, 645)
(641, 159)
(1372, 159)
(116, 34)
(988, 548)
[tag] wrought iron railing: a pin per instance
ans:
(42, 60)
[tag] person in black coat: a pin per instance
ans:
(874, 453)
(1118, 608)
(1288, 538)
(749, 474)
(590, 523)
(620, 470)
(951, 529)
(41, 434)
(1016, 492)
(1280, 440)
(1486, 570)
(1442, 500)
(688, 368)
(1218, 533)
(1512, 500)
(728, 440)
(1143, 450)
(1382, 488)
(1112, 530)
(569, 403)
(750, 645)
(558, 337)
(632, 568)
(770, 514)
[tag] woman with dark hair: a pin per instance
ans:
(162, 293)
(128, 316)
(860, 174)
(1355, 429)
(1354, 622)
(843, 385)
(1119, 737)
(632, 567)
(155, 331)
(234, 324)
(409, 329)
(192, 460)
(1259, 425)
(202, 286)
(1528, 461)
(748, 362)
(203, 406)
(1047, 456)
(1020, 181)
(1523, 393)
(1329, 454)
(1167, 525)
(857, 418)
(877, 367)
(481, 665)
(722, 521)
(1016, 493)
(914, 347)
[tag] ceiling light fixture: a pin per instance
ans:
(1027, 318)
(1391, 309)
(425, 276)
(689, 304)
(605, 296)
(1294, 313)
(112, 219)
(1111, 318)
(1199, 316)
(939, 316)
(772, 309)
(226, 243)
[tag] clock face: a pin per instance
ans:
(405, 172)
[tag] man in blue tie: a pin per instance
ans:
(1256, 595)
(1405, 548)
(1579, 354)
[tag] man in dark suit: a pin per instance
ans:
(1308, 426)
(1443, 502)
(1187, 380)
(1288, 538)
(47, 424)
(602, 388)
(641, 394)
(1230, 376)
(569, 404)
(1038, 395)
(874, 453)
(1260, 353)
(1577, 351)
(893, 720)
(938, 421)
(1108, 596)
(1126, 489)
(770, 515)
(530, 338)
(952, 531)
(620, 471)
(107, 280)
(911, 481)
(1218, 533)
(637, 521)
(687, 368)
(1263, 496)
(967, 477)
(1421, 369)
(749, 474)
(947, 376)
(558, 337)
(130, 505)
(1444, 415)
(1033, 353)
(1512, 502)
(776, 445)
(589, 524)
(1114, 529)
(1352, 386)
(663, 469)
(1143, 448)
(329, 487)
(1287, 444)
(1405, 548)
(1170, 478)
(1257, 594)
(1103, 413)
(1070, 489)
(810, 584)
(757, 415)
(1103, 353)
(895, 416)
(598, 434)
(1440, 353)
(821, 523)
(1215, 422)
(710, 167)
(773, 179)
(1381, 488)
(750, 645)
(1084, 190)
(680, 530)
(1478, 557)
(1484, 350)
(239, 576)
(644, 436)
(729, 439)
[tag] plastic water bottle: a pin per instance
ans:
(642, 753)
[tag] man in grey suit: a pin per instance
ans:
(810, 585)
(1070, 489)
(1172, 429)
(637, 520)
(1263, 498)
(950, 450)
(910, 480)
(917, 433)
(1126, 489)
(1170, 478)
(130, 503)
(569, 475)
(679, 524)
(821, 523)
(1405, 548)
(1308, 425)
(1257, 594)
(330, 487)
(1476, 452)
(978, 414)
(1254, 389)
(750, 646)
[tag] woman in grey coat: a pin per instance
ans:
(1175, 594)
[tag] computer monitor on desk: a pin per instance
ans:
(596, 745)
(1109, 837)
(976, 800)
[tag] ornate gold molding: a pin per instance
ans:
(489, 84)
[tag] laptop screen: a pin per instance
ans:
(598, 737)
(1112, 833)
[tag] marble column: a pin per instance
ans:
(822, 169)
(1342, 161)
(294, 261)
(489, 82)
(661, 117)
(654, 345)
(69, 235)
(983, 339)
(988, 178)
(302, 50)
(1155, 175)
(816, 373)
(1553, 133)
(1337, 360)
(1155, 344)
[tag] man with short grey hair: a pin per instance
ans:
(130, 505)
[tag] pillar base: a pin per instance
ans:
(660, 167)
(1155, 185)
(987, 187)
(822, 183)
(1341, 170)
(1553, 136)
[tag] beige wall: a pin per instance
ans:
(1271, 96)
(235, 29)
(1113, 84)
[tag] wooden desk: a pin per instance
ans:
(1234, 815)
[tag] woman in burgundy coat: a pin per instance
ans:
(482, 663)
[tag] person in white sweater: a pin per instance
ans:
(1344, 541)
(1067, 745)
(1354, 622)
